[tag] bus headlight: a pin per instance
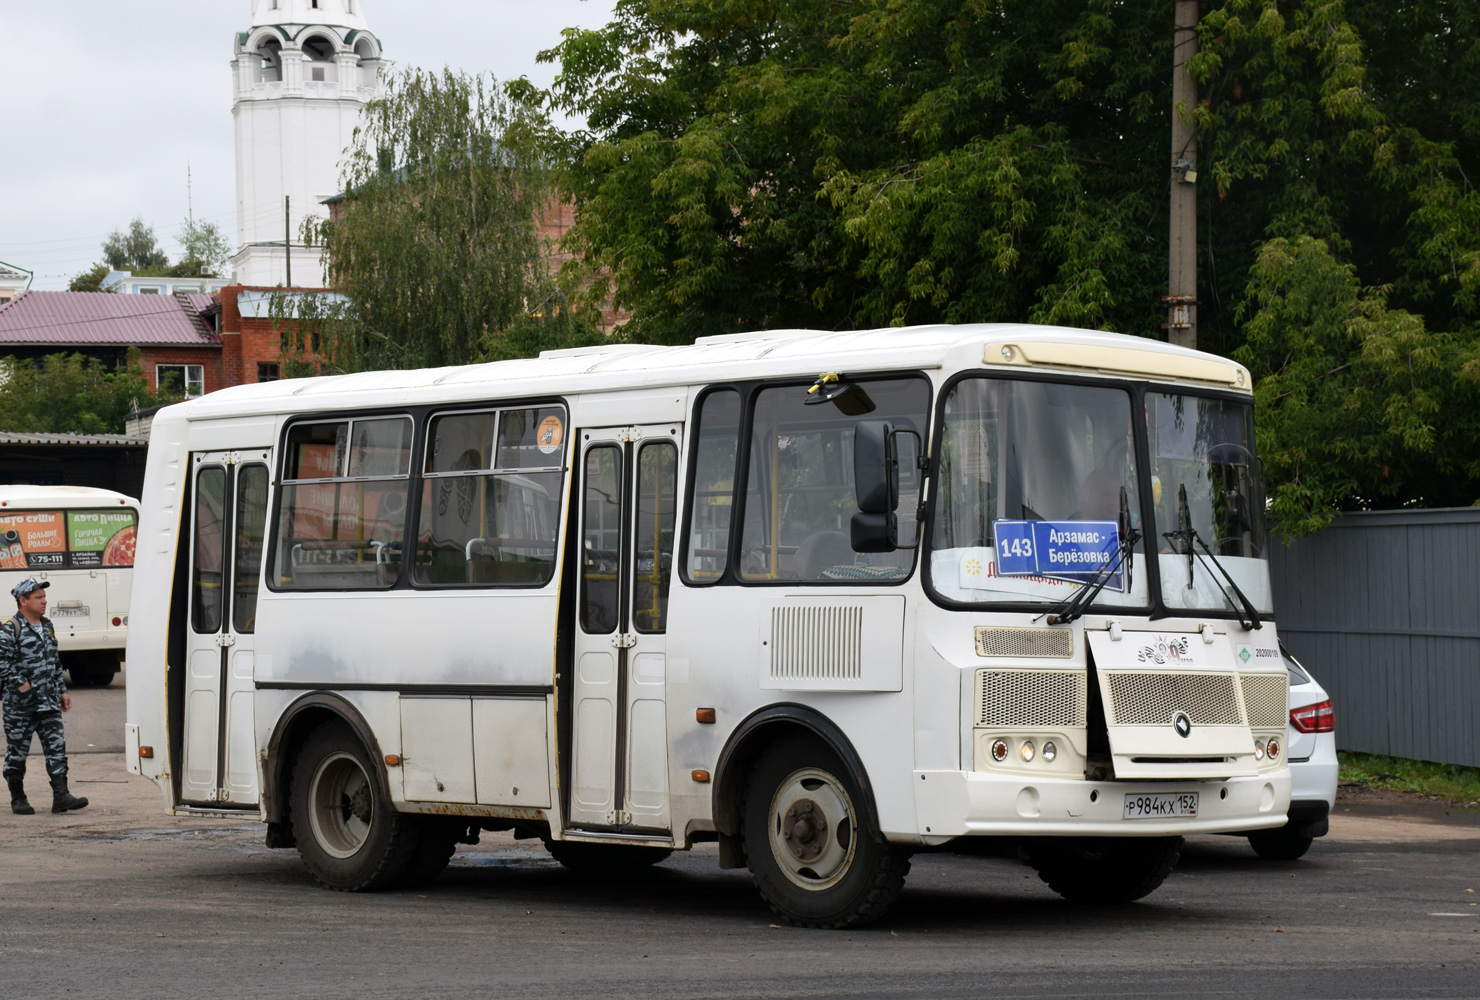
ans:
(1258, 749)
(1050, 751)
(1027, 750)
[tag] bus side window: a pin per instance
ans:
(251, 522)
(490, 513)
(712, 499)
(601, 540)
(342, 523)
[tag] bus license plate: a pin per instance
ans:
(82, 612)
(1162, 805)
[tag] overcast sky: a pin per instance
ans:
(106, 102)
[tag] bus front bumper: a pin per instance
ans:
(963, 803)
(84, 640)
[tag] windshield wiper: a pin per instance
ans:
(1248, 617)
(1077, 603)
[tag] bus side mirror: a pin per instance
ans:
(876, 484)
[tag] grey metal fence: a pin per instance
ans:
(1384, 608)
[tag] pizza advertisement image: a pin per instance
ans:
(101, 538)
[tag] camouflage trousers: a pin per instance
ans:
(45, 723)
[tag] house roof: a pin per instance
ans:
(71, 440)
(104, 318)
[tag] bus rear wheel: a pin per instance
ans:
(813, 854)
(1104, 869)
(350, 838)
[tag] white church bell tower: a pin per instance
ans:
(301, 76)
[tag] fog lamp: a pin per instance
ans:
(999, 750)
(1027, 750)
(1050, 751)
(1258, 749)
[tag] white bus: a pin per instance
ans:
(825, 598)
(81, 541)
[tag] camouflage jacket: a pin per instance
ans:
(28, 653)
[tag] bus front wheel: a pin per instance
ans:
(349, 837)
(1104, 869)
(814, 856)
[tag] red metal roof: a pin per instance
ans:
(103, 318)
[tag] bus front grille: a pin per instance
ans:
(817, 643)
(1154, 699)
(1266, 699)
(1030, 698)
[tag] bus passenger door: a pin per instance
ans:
(619, 751)
(228, 519)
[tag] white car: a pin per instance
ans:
(1311, 750)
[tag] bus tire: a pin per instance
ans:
(348, 835)
(814, 856)
(436, 842)
(1104, 869)
(604, 859)
(1280, 845)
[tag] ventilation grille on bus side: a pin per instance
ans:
(1266, 699)
(817, 643)
(1030, 698)
(1024, 642)
(1146, 699)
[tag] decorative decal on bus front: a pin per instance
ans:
(74, 539)
(1062, 550)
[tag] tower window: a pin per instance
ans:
(318, 74)
(315, 4)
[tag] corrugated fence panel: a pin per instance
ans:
(1384, 608)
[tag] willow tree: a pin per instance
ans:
(434, 246)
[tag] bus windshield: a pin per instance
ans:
(1204, 480)
(1038, 491)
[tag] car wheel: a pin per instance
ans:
(1104, 869)
(814, 855)
(348, 835)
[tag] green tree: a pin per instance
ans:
(73, 394)
(90, 280)
(136, 250)
(206, 248)
(811, 163)
(435, 246)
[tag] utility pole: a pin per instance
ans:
(1181, 297)
(288, 236)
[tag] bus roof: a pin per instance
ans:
(762, 354)
(25, 496)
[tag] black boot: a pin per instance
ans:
(18, 803)
(61, 799)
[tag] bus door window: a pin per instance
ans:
(601, 540)
(657, 482)
(251, 523)
(800, 498)
(210, 515)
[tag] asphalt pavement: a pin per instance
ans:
(120, 900)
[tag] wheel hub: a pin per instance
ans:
(358, 804)
(805, 830)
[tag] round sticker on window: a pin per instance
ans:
(550, 435)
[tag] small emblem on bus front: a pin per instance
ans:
(1183, 725)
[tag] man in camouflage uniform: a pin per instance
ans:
(35, 697)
